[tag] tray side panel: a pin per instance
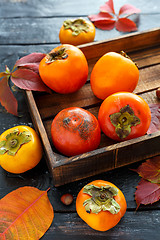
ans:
(129, 43)
(106, 159)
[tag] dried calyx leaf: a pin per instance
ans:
(102, 199)
(60, 54)
(123, 121)
(14, 141)
(124, 54)
(76, 26)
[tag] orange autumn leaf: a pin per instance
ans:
(25, 213)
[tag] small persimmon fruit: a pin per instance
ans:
(77, 31)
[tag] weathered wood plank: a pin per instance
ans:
(134, 225)
(46, 30)
(48, 8)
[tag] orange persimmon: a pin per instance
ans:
(101, 205)
(124, 116)
(75, 131)
(20, 149)
(113, 72)
(77, 31)
(64, 69)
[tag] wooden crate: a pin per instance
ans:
(144, 49)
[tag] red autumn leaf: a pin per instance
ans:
(25, 213)
(105, 24)
(147, 193)
(125, 25)
(32, 66)
(108, 7)
(28, 80)
(101, 16)
(128, 9)
(150, 170)
(155, 118)
(7, 98)
(31, 58)
(107, 19)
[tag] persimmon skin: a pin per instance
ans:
(113, 73)
(66, 75)
(104, 220)
(114, 103)
(66, 36)
(75, 131)
(27, 157)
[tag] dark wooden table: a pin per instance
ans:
(28, 26)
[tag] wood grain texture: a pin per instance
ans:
(128, 228)
(46, 30)
(28, 26)
(49, 8)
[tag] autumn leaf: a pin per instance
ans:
(25, 75)
(25, 212)
(7, 98)
(125, 25)
(108, 7)
(128, 9)
(150, 170)
(29, 80)
(30, 61)
(147, 193)
(107, 19)
(30, 58)
(155, 118)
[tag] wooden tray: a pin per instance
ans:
(144, 49)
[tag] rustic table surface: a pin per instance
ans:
(28, 26)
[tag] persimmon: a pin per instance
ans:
(101, 205)
(124, 116)
(75, 131)
(112, 73)
(64, 69)
(77, 31)
(20, 149)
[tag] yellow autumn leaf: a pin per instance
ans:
(25, 213)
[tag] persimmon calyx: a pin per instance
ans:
(76, 26)
(14, 141)
(123, 121)
(102, 199)
(60, 54)
(126, 56)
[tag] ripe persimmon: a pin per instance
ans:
(124, 116)
(75, 131)
(101, 205)
(64, 69)
(112, 73)
(77, 31)
(20, 149)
